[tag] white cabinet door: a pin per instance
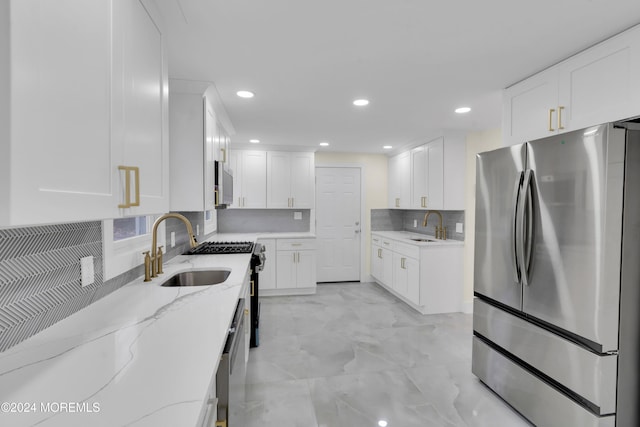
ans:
(302, 180)
(209, 184)
(58, 166)
(254, 185)
(235, 164)
(92, 77)
(278, 179)
(376, 262)
(412, 267)
(400, 180)
(306, 269)
(296, 269)
(530, 108)
(290, 180)
(427, 175)
(268, 274)
(601, 84)
(286, 269)
(419, 177)
(192, 133)
(406, 277)
(387, 267)
(435, 174)
(400, 276)
(141, 108)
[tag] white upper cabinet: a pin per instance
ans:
(83, 92)
(290, 180)
(194, 127)
(430, 176)
(595, 86)
(249, 178)
(427, 175)
(400, 180)
(303, 180)
(141, 105)
(56, 112)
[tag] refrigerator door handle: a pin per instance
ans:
(529, 225)
(524, 253)
(515, 231)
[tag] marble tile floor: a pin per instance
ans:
(353, 354)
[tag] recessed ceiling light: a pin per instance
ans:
(254, 141)
(324, 144)
(244, 94)
(361, 102)
(463, 110)
(382, 423)
(387, 147)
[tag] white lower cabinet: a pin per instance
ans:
(381, 260)
(426, 277)
(406, 277)
(295, 267)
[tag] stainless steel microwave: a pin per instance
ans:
(223, 185)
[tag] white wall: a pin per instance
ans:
(374, 181)
(477, 142)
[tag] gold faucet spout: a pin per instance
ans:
(155, 259)
(439, 230)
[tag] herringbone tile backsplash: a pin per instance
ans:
(40, 276)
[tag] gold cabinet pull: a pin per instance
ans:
(397, 202)
(551, 111)
(253, 284)
(402, 260)
(222, 423)
(379, 253)
(127, 182)
(560, 108)
(215, 192)
(224, 155)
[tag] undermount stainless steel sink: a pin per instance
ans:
(423, 240)
(198, 278)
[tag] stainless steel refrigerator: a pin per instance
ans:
(557, 276)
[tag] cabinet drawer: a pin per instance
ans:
(295, 244)
(412, 251)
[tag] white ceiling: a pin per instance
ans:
(415, 60)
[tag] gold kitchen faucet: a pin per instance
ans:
(441, 232)
(153, 258)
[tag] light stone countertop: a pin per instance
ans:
(405, 237)
(143, 355)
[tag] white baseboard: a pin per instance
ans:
(467, 306)
(287, 292)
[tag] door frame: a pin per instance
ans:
(360, 166)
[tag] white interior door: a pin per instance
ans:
(338, 227)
